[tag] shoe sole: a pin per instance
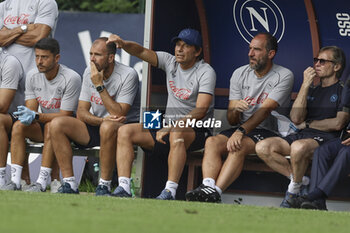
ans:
(310, 206)
(191, 197)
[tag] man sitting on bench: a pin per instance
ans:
(255, 90)
(108, 92)
(319, 114)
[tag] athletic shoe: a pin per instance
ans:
(55, 185)
(203, 194)
(24, 184)
(319, 204)
(295, 202)
(102, 190)
(194, 194)
(165, 195)
(287, 197)
(120, 192)
(304, 190)
(34, 188)
(10, 186)
(66, 188)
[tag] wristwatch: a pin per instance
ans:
(242, 130)
(307, 123)
(99, 89)
(36, 116)
(24, 28)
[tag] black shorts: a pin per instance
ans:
(256, 134)
(15, 118)
(94, 133)
(163, 149)
(319, 136)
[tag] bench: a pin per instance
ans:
(34, 147)
(194, 159)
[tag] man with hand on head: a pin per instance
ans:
(55, 89)
(190, 83)
(108, 93)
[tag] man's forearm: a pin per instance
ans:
(298, 111)
(259, 116)
(8, 36)
(47, 117)
(88, 118)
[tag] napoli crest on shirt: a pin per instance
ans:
(310, 98)
(31, 7)
(333, 98)
(59, 91)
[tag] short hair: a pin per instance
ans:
(271, 41)
(111, 47)
(338, 57)
(50, 44)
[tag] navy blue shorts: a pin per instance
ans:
(319, 136)
(15, 118)
(163, 149)
(256, 134)
(94, 133)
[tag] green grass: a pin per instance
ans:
(45, 212)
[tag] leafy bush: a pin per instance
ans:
(112, 6)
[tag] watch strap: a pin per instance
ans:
(99, 89)
(242, 130)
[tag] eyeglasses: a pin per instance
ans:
(322, 61)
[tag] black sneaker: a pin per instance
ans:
(102, 190)
(193, 195)
(120, 192)
(314, 205)
(66, 188)
(295, 202)
(203, 194)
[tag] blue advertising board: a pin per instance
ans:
(232, 25)
(334, 26)
(77, 30)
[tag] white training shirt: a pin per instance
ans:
(62, 92)
(184, 85)
(14, 13)
(12, 77)
(122, 86)
(277, 85)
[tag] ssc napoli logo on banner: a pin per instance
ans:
(254, 16)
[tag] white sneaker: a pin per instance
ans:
(55, 184)
(10, 186)
(24, 184)
(34, 188)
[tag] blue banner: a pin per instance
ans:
(232, 25)
(77, 30)
(334, 26)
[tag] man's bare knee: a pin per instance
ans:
(125, 132)
(178, 140)
(108, 129)
(213, 141)
(17, 127)
(263, 148)
(56, 124)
